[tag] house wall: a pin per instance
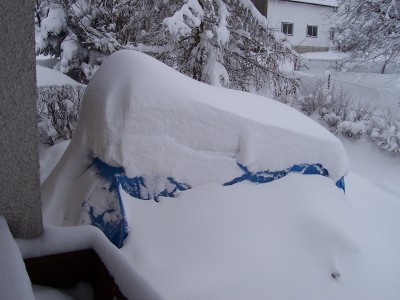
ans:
(301, 15)
(19, 168)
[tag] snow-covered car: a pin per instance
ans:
(225, 174)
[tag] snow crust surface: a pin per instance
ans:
(295, 238)
(155, 122)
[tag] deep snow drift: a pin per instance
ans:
(165, 132)
(299, 237)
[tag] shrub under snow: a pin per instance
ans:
(346, 115)
(58, 111)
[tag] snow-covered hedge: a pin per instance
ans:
(346, 115)
(58, 110)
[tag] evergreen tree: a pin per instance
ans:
(221, 42)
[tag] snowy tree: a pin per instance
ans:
(370, 30)
(221, 42)
(228, 43)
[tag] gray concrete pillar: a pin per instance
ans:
(19, 168)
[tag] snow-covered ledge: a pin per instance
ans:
(15, 283)
(14, 280)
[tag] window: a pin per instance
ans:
(287, 28)
(312, 31)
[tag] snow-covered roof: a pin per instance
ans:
(332, 3)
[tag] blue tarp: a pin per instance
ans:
(116, 229)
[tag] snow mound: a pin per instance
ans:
(154, 132)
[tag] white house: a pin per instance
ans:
(308, 24)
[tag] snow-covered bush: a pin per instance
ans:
(219, 42)
(332, 103)
(386, 134)
(344, 114)
(58, 111)
(352, 129)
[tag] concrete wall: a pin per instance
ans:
(19, 168)
(301, 15)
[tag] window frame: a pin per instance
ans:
(314, 34)
(289, 25)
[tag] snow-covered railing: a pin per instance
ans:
(57, 240)
(14, 280)
(15, 283)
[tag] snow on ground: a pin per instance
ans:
(376, 166)
(298, 237)
(48, 158)
(46, 61)
(324, 56)
(302, 234)
(46, 76)
(294, 238)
